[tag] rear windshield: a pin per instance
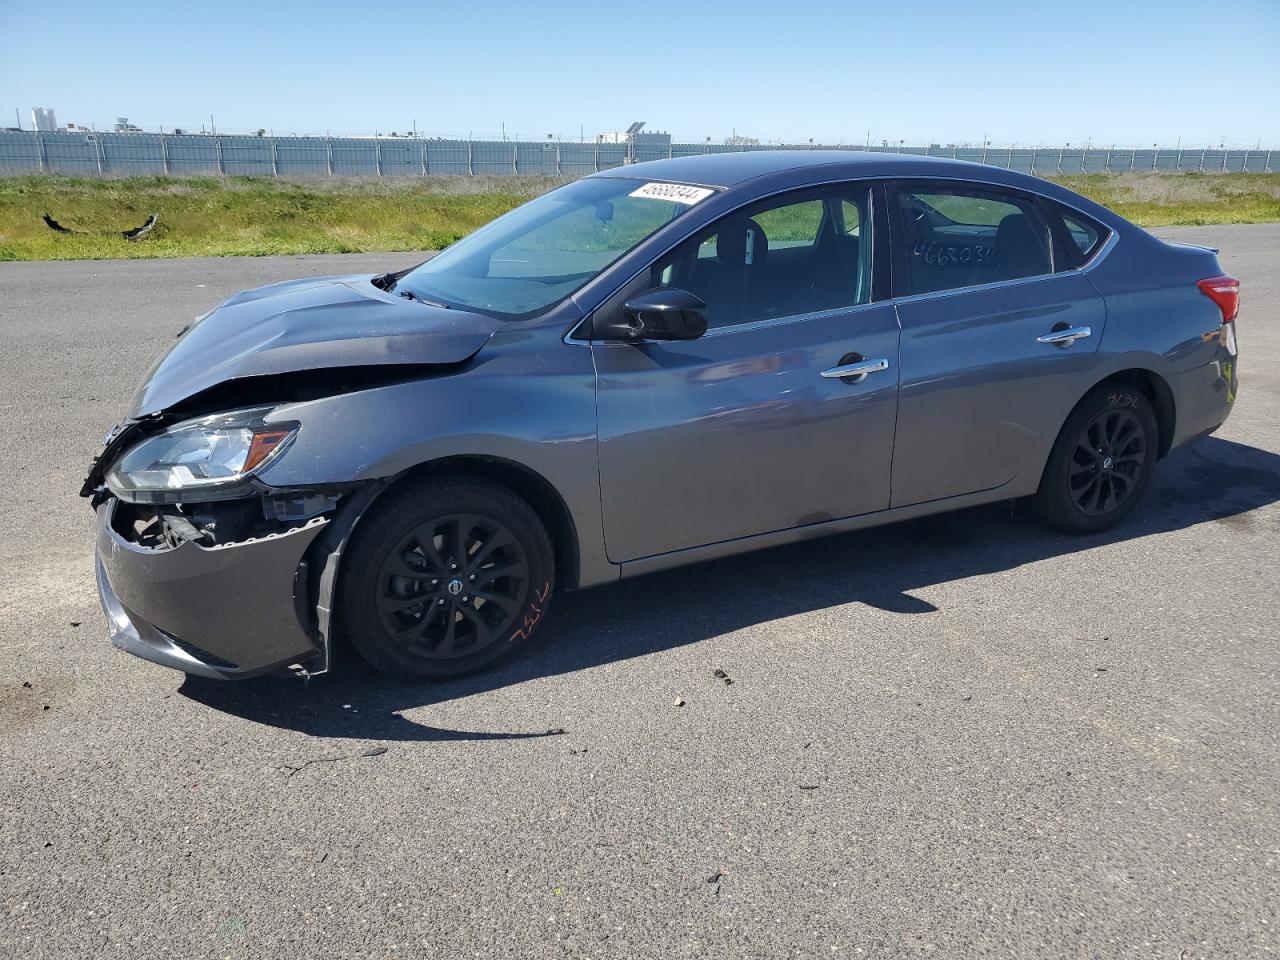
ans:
(527, 261)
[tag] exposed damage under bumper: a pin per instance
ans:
(250, 598)
(227, 610)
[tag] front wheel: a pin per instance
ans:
(1102, 461)
(445, 577)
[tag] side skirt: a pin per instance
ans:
(726, 548)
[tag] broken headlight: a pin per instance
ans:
(199, 456)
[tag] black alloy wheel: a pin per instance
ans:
(1102, 461)
(1107, 463)
(453, 586)
(444, 576)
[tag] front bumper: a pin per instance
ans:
(225, 612)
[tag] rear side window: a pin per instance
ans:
(955, 236)
(1084, 236)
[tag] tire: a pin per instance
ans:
(1102, 461)
(410, 614)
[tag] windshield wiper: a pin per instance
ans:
(388, 281)
(410, 295)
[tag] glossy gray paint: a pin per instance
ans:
(312, 324)
(236, 601)
(982, 399)
(665, 454)
(737, 433)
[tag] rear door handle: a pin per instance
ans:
(857, 371)
(1065, 337)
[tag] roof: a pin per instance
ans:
(731, 169)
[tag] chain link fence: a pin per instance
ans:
(136, 154)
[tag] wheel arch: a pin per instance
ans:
(527, 484)
(1154, 387)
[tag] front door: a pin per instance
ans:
(750, 429)
(997, 347)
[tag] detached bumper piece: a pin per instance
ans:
(225, 611)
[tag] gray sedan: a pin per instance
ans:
(656, 365)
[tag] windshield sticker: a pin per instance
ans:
(677, 192)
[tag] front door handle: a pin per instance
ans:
(1066, 336)
(857, 371)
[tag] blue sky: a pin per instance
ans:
(1131, 72)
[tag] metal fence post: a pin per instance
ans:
(164, 154)
(377, 154)
(99, 153)
(1244, 167)
(1106, 166)
(422, 156)
(275, 164)
(557, 159)
(1155, 157)
(1224, 160)
(40, 153)
(328, 154)
(1084, 159)
(471, 167)
(595, 156)
(515, 159)
(1060, 152)
(1201, 167)
(1266, 166)
(218, 143)
(1177, 164)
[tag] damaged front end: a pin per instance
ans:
(200, 565)
(229, 609)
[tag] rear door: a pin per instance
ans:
(745, 431)
(997, 344)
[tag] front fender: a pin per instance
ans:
(530, 400)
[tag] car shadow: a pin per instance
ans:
(1215, 481)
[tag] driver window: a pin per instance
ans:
(783, 257)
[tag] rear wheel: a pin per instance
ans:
(1102, 461)
(445, 577)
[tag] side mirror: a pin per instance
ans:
(664, 314)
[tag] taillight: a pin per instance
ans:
(1225, 292)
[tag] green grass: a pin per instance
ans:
(1184, 199)
(245, 216)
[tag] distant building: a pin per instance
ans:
(122, 125)
(43, 120)
(661, 140)
(737, 140)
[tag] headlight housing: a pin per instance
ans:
(199, 458)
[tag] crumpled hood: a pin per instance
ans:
(308, 325)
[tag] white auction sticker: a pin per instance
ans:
(676, 192)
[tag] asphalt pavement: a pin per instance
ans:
(964, 736)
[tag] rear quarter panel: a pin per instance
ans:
(1158, 320)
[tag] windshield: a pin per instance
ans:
(538, 254)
